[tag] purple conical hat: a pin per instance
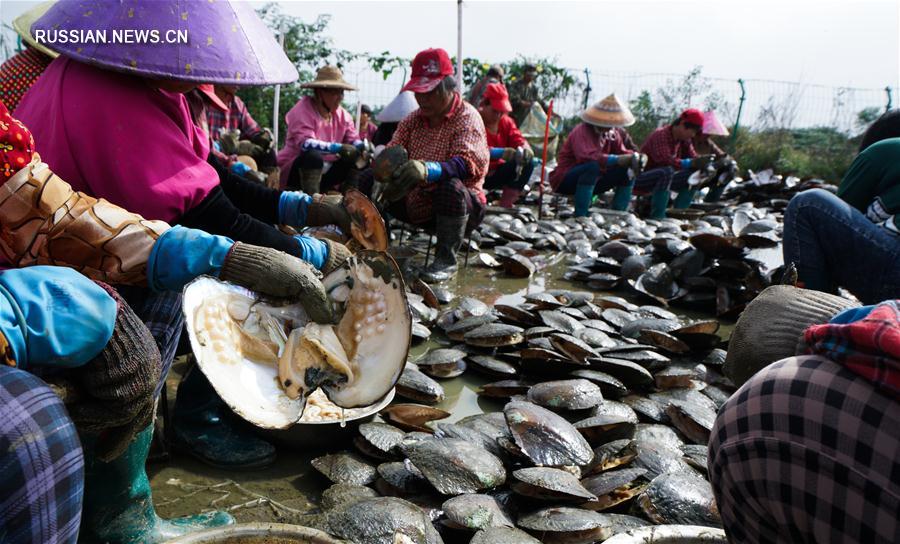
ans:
(226, 42)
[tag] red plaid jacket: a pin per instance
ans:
(662, 149)
(237, 117)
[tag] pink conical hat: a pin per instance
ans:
(227, 43)
(712, 126)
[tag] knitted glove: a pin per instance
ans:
(624, 160)
(348, 152)
(702, 161)
(246, 147)
(771, 327)
(404, 179)
(328, 210)
(337, 254)
(118, 385)
(263, 139)
(228, 141)
(527, 155)
(509, 153)
(278, 274)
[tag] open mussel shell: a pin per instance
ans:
(670, 534)
(251, 388)
(615, 487)
(413, 417)
(366, 222)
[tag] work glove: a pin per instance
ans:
(246, 147)
(404, 179)
(116, 393)
(337, 254)
(263, 139)
(702, 162)
(328, 210)
(509, 153)
(771, 327)
(228, 141)
(278, 274)
(526, 154)
(624, 160)
(348, 152)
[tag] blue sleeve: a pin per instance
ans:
(315, 251)
(319, 145)
(611, 159)
(292, 207)
(239, 168)
(686, 163)
(497, 153)
(181, 254)
(851, 315)
(54, 316)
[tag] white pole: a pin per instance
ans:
(459, 53)
(358, 109)
(275, 118)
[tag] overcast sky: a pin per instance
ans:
(841, 43)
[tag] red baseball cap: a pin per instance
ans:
(210, 92)
(692, 116)
(428, 69)
(498, 97)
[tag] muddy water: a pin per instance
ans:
(182, 486)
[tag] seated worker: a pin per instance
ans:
(156, 165)
(442, 182)
(671, 160)
(493, 75)
(523, 93)
(367, 128)
(319, 131)
(19, 72)
(852, 239)
(73, 456)
(725, 167)
(389, 118)
(596, 157)
(807, 449)
(511, 156)
(227, 112)
(886, 126)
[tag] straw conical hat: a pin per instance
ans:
(712, 126)
(329, 77)
(22, 25)
(402, 105)
(226, 41)
(609, 112)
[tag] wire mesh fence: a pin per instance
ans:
(767, 104)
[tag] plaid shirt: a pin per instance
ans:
(237, 117)
(461, 135)
(662, 149)
(864, 340)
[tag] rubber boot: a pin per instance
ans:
(205, 428)
(622, 197)
(450, 232)
(684, 198)
(715, 193)
(659, 201)
(118, 505)
(584, 193)
(311, 180)
(509, 197)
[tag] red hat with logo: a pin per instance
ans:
(692, 116)
(428, 69)
(498, 97)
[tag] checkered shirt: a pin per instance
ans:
(662, 149)
(461, 135)
(237, 117)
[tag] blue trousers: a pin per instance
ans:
(834, 244)
(41, 463)
(660, 178)
(589, 173)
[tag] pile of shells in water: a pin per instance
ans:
(605, 396)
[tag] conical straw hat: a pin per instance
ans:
(22, 25)
(609, 112)
(227, 43)
(712, 126)
(329, 77)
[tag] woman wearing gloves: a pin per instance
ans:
(511, 156)
(807, 449)
(139, 148)
(43, 221)
(597, 155)
(319, 130)
(74, 455)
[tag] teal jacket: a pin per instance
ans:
(872, 184)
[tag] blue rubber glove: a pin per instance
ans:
(497, 153)
(686, 163)
(315, 251)
(181, 254)
(54, 316)
(433, 171)
(851, 315)
(611, 160)
(292, 208)
(239, 168)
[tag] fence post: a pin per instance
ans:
(890, 98)
(737, 121)
(587, 87)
